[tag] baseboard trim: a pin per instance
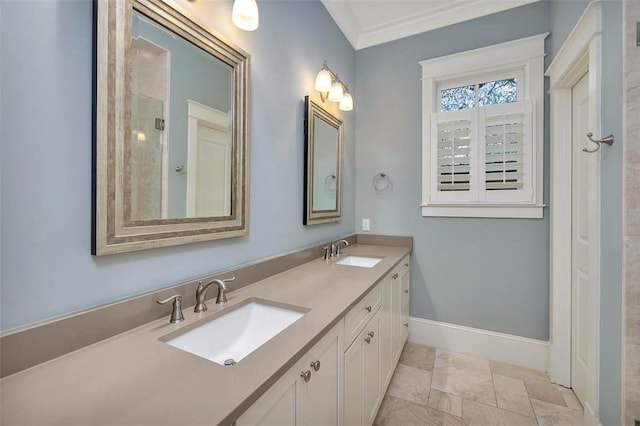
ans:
(508, 348)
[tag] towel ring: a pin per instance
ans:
(381, 182)
(328, 180)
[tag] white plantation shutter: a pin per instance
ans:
(506, 165)
(453, 155)
(482, 154)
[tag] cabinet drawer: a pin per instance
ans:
(360, 314)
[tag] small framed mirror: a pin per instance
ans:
(323, 165)
(171, 129)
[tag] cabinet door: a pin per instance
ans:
(386, 333)
(322, 401)
(279, 405)
(371, 373)
(404, 310)
(353, 387)
(396, 315)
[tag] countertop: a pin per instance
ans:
(136, 379)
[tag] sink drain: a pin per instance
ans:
(229, 362)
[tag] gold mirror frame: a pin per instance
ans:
(112, 231)
(311, 216)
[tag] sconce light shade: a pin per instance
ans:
(346, 104)
(332, 88)
(336, 93)
(323, 81)
(245, 14)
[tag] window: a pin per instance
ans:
(482, 131)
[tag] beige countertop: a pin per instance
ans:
(136, 379)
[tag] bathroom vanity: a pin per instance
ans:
(331, 365)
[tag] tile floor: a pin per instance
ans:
(435, 387)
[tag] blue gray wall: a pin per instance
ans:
(47, 269)
(611, 280)
(491, 274)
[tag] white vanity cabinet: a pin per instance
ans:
(309, 393)
(357, 359)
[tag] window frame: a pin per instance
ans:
(523, 57)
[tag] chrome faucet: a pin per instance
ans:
(333, 249)
(201, 293)
(337, 246)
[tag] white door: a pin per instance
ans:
(213, 172)
(584, 251)
(209, 161)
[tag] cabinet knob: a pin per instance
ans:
(371, 334)
(406, 264)
(306, 375)
(315, 365)
(367, 339)
(395, 276)
(368, 308)
(406, 324)
(406, 291)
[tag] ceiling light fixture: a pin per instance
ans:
(332, 88)
(245, 14)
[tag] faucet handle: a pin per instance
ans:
(327, 252)
(176, 311)
(228, 280)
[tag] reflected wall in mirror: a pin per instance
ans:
(171, 130)
(323, 165)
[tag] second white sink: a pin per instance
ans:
(361, 261)
(237, 333)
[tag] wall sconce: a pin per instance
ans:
(333, 89)
(245, 14)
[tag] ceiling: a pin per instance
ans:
(367, 23)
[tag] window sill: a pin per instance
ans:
(516, 211)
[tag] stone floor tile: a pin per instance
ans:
(463, 375)
(418, 356)
(546, 392)
(511, 395)
(461, 361)
(570, 398)
(446, 402)
(475, 413)
(395, 412)
(517, 372)
(554, 415)
(411, 384)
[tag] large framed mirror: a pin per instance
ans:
(171, 129)
(323, 165)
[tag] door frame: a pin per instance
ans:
(581, 53)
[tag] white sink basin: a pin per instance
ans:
(361, 261)
(237, 333)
